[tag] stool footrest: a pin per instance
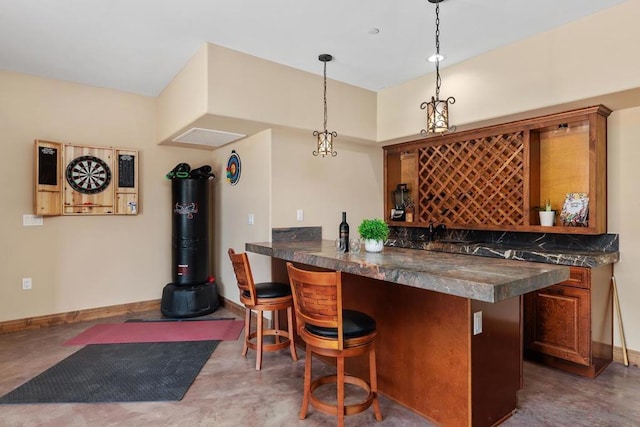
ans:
(278, 333)
(354, 408)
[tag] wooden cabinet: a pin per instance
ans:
(84, 180)
(570, 325)
(494, 178)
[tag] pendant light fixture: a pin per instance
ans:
(437, 110)
(325, 138)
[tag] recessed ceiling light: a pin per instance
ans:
(435, 56)
(373, 31)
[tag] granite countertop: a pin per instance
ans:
(476, 277)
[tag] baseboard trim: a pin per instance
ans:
(632, 355)
(38, 322)
(77, 316)
(233, 307)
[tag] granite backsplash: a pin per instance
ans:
(565, 249)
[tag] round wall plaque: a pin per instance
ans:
(233, 168)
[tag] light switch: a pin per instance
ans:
(29, 220)
(251, 219)
(300, 215)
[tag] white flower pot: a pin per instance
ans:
(371, 245)
(547, 218)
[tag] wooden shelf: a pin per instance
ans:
(494, 178)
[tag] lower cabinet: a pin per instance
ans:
(570, 325)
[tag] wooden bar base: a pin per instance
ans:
(427, 356)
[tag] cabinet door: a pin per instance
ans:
(559, 323)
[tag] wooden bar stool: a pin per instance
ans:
(329, 330)
(266, 296)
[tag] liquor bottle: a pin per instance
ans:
(344, 232)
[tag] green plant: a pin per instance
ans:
(375, 229)
(547, 206)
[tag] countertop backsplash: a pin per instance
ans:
(565, 249)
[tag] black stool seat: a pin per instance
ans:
(270, 290)
(354, 323)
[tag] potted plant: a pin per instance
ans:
(374, 232)
(547, 214)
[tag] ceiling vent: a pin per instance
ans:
(207, 137)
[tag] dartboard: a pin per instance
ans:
(233, 168)
(88, 174)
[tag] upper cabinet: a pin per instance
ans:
(498, 177)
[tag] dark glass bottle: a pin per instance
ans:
(344, 232)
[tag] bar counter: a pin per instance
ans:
(430, 357)
(468, 276)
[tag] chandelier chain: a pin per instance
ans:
(438, 80)
(437, 110)
(325, 96)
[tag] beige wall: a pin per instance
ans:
(325, 187)
(258, 90)
(559, 67)
(280, 175)
(584, 59)
(233, 204)
(623, 207)
(185, 98)
(84, 262)
(229, 91)
(81, 262)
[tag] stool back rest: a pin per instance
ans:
(244, 277)
(317, 300)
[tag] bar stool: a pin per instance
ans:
(329, 330)
(266, 296)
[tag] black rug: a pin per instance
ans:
(138, 372)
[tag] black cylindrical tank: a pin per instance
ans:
(190, 231)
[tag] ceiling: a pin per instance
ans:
(138, 46)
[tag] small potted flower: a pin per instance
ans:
(547, 214)
(374, 232)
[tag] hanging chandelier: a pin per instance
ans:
(325, 138)
(437, 109)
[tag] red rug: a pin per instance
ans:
(144, 332)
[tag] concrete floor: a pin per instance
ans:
(230, 392)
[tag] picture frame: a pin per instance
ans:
(575, 210)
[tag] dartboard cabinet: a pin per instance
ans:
(85, 180)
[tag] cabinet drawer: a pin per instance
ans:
(578, 278)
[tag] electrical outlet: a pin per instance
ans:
(26, 283)
(300, 215)
(477, 323)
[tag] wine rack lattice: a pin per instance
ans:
(478, 181)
